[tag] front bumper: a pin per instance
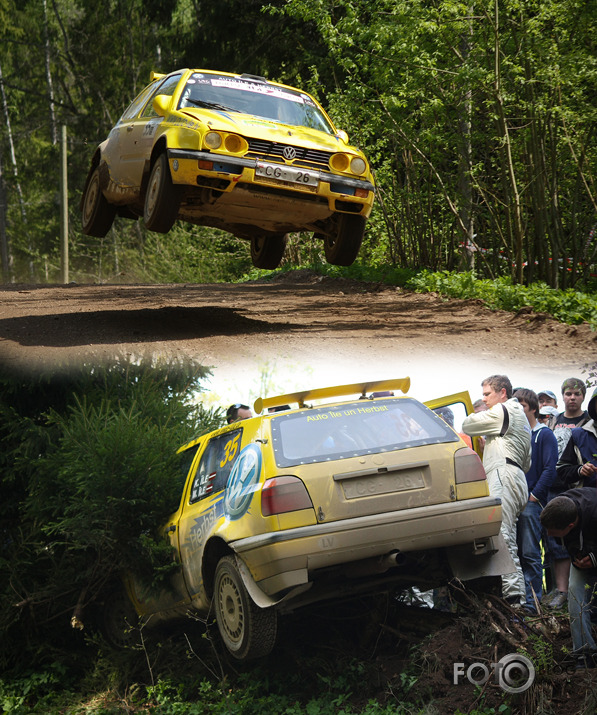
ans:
(230, 171)
(280, 560)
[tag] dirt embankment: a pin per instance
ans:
(299, 317)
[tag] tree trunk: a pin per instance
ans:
(13, 158)
(512, 196)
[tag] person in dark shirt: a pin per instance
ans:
(578, 461)
(572, 518)
(544, 456)
(573, 394)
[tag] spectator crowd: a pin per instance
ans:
(542, 462)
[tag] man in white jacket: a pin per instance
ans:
(506, 458)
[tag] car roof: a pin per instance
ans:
(153, 76)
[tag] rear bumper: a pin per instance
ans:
(282, 559)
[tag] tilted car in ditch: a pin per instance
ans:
(236, 152)
(323, 500)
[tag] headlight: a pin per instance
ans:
(233, 144)
(213, 140)
(339, 162)
(358, 166)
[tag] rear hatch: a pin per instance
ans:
(367, 457)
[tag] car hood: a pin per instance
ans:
(253, 127)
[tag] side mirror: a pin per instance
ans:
(161, 103)
(343, 135)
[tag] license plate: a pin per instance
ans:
(382, 484)
(286, 175)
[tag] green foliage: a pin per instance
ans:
(89, 473)
(569, 306)
(463, 146)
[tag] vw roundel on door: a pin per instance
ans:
(328, 498)
(236, 152)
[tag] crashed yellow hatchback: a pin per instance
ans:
(318, 498)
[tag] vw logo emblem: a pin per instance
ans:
(242, 482)
(289, 153)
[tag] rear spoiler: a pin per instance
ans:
(263, 403)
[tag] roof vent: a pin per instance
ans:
(254, 77)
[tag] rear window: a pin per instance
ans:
(352, 429)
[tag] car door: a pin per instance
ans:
(139, 133)
(118, 142)
(204, 509)
(453, 409)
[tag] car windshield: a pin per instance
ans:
(352, 429)
(257, 98)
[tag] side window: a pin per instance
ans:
(135, 106)
(168, 86)
(215, 465)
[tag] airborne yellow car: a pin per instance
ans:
(236, 152)
(318, 498)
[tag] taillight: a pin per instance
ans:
(468, 467)
(283, 494)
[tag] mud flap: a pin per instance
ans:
(468, 562)
(260, 598)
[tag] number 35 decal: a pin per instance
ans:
(230, 450)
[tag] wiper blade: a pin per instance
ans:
(210, 105)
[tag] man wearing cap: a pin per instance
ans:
(548, 415)
(573, 394)
(506, 458)
(549, 403)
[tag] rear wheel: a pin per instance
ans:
(97, 215)
(247, 630)
(342, 245)
(267, 251)
(119, 621)
(162, 198)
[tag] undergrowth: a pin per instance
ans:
(569, 306)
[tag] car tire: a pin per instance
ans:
(246, 630)
(97, 214)
(162, 198)
(342, 246)
(119, 622)
(267, 251)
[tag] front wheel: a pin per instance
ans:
(97, 214)
(267, 251)
(162, 198)
(247, 630)
(342, 245)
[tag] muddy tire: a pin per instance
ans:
(267, 251)
(162, 198)
(119, 622)
(246, 630)
(342, 246)
(97, 214)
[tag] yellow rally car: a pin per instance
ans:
(235, 152)
(323, 501)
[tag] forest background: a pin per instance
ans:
(478, 117)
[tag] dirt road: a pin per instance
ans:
(341, 330)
